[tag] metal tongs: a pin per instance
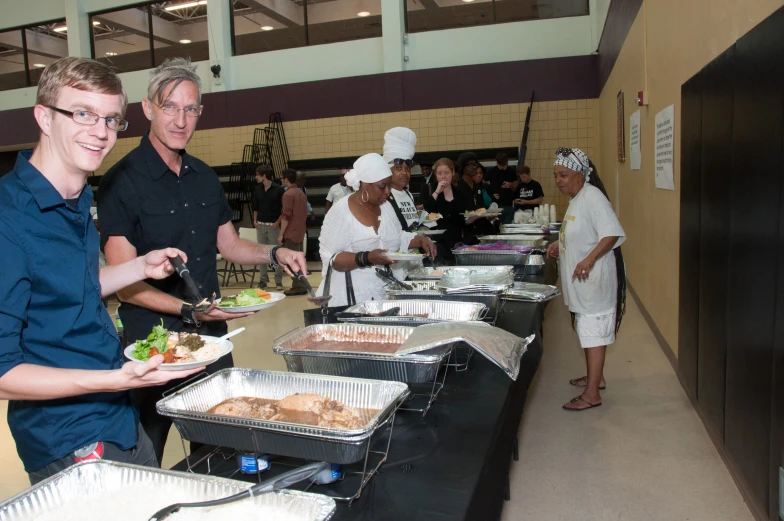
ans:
(283, 481)
(199, 303)
(385, 273)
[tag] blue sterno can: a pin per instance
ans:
(330, 475)
(253, 463)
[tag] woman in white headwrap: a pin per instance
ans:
(592, 271)
(358, 230)
(399, 145)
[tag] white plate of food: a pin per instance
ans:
(403, 256)
(432, 217)
(248, 300)
(183, 348)
(429, 232)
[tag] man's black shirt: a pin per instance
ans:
(268, 204)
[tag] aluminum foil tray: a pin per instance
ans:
(534, 241)
(428, 273)
(101, 490)
(500, 347)
(489, 257)
(428, 290)
(436, 310)
(187, 409)
(476, 279)
(531, 292)
(524, 229)
(409, 368)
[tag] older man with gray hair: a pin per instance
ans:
(159, 194)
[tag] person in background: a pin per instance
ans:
(466, 168)
(61, 362)
(448, 201)
(267, 205)
(429, 184)
(399, 143)
(293, 224)
(159, 194)
(358, 231)
(503, 186)
(593, 274)
(479, 180)
(530, 193)
(302, 180)
(338, 191)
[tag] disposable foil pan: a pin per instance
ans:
(428, 273)
(531, 292)
(476, 279)
(489, 257)
(187, 409)
(427, 290)
(436, 311)
(533, 241)
(75, 489)
(409, 368)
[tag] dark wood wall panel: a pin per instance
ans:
(717, 176)
(754, 223)
(689, 292)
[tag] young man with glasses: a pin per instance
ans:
(61, 362)
(160, 194)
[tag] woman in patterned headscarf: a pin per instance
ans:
(592, 272)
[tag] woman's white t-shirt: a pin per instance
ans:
(588, 220)
(341, 232)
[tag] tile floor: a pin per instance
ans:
(643, 455)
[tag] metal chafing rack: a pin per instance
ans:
(466, 257)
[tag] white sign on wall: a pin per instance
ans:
(665, 137)
(634, 141)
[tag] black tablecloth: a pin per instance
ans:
(453, 463)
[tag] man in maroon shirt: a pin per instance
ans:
(292, 223)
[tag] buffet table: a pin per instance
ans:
(453, 463)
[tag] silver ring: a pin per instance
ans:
(583, 272)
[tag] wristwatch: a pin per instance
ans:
(186, 311)
(273, 257)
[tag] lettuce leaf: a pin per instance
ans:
(157, 338)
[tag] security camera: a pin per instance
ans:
(216, 71)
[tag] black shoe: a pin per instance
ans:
(263, 286)
(294, 292)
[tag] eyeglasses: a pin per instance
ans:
(171, 110)
(400, 162)
(87, 118)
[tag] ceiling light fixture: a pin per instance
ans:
(61, 29)
(39, 65)
(468, 1)
(185, 5)
(185, 41)
(266, 28)
(96, 22)
(363, 14)
(110, 53)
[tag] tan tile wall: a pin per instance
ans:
(556, 123)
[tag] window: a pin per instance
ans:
(433, 15)
(26, 51)
(284, 24)
(143, 36)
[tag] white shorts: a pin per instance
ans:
(596, 329)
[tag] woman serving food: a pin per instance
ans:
(358, 232)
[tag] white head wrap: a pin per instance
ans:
(574, 159)
(399, 143)
(370, 168)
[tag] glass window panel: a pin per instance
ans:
(520, 10)
(270, 25)
(434, 15)
(180, 32)
(122, 39)
(343, 20)
(12, 70)
(45, 44)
